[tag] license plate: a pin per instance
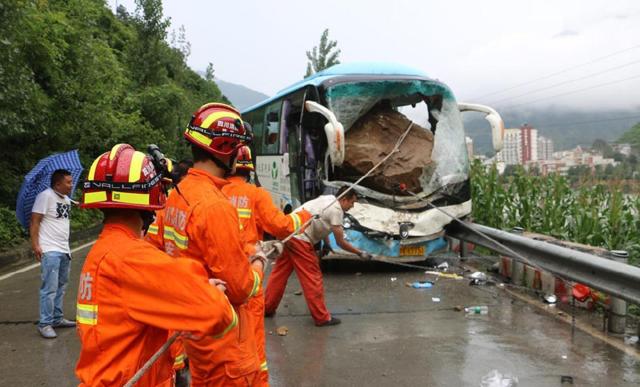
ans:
(411, 251)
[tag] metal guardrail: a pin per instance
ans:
(611, 277)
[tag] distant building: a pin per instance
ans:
(545, 148)
(564, 160)
(520, 146)
(469, 142)
(511, 153)
(529, 139)
(625, 149)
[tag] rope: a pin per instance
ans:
(152, 360)
(173, 338)
(393, 151)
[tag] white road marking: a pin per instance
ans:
(33, 266)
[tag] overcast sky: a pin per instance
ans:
(476, 47)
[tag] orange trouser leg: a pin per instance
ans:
(256, 311)
(221, 379)
(278, 281)
(307, 267)
(227, 361)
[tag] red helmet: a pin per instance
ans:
(218, 129)
(123, 178)
(244, 161)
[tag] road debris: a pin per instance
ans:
(298, 292)
(282, 331)
(479, 309)
(496, 379)
(566, 380)
(444, 266)
(394, 279)
(444, 275)
(422, 285)
(435, 299)
(478, 275)
(458, 308)
(550, 299)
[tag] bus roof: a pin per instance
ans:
(344, 69)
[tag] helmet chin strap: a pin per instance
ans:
(147, 218)
(228, 169)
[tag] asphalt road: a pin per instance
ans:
(391, 335)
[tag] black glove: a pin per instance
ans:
(326, 250)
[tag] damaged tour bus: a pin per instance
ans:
(331, 128)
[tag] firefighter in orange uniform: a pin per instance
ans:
(200, 223)
(258, 214)
(127, 298)
(180, 365)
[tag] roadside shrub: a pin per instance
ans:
(11, 233)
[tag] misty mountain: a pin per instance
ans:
(566, 127)
(240, 96)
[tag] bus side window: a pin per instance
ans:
(256, 119)
(272, 130)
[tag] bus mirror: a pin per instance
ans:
(334, 131)
(496, 122)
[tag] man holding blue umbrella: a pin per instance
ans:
(49, 229)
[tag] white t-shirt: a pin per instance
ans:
(54, 228)
(320, 228)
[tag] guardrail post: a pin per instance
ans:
(618, 307)
(464, 251)
(548, 286)
(517, 267)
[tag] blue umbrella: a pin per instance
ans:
(39, 179)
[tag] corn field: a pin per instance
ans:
(595, 214)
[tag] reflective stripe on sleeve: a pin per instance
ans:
(256, 284)
(180, 240)
(263, 366)
(296, 221)
(153, 229)
(234, 322)
(87, 314)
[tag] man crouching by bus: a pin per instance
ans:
(299, 255)
(128, 298)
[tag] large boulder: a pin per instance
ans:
(371, 139)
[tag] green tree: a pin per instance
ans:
(75, 76)
(323, 56)
(209, 75)
(632, 136)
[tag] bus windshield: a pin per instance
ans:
(435, 152)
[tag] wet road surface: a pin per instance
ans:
(391, 335)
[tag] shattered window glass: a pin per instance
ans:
(376, 113)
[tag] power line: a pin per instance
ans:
(559, 124)
(559, 72)
(574, 91)
(566, 82)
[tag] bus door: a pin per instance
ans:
(272, 166)
(290, 140)
(313, 145)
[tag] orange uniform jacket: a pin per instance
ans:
(257, 214)
(129, 298)
(199, 223)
